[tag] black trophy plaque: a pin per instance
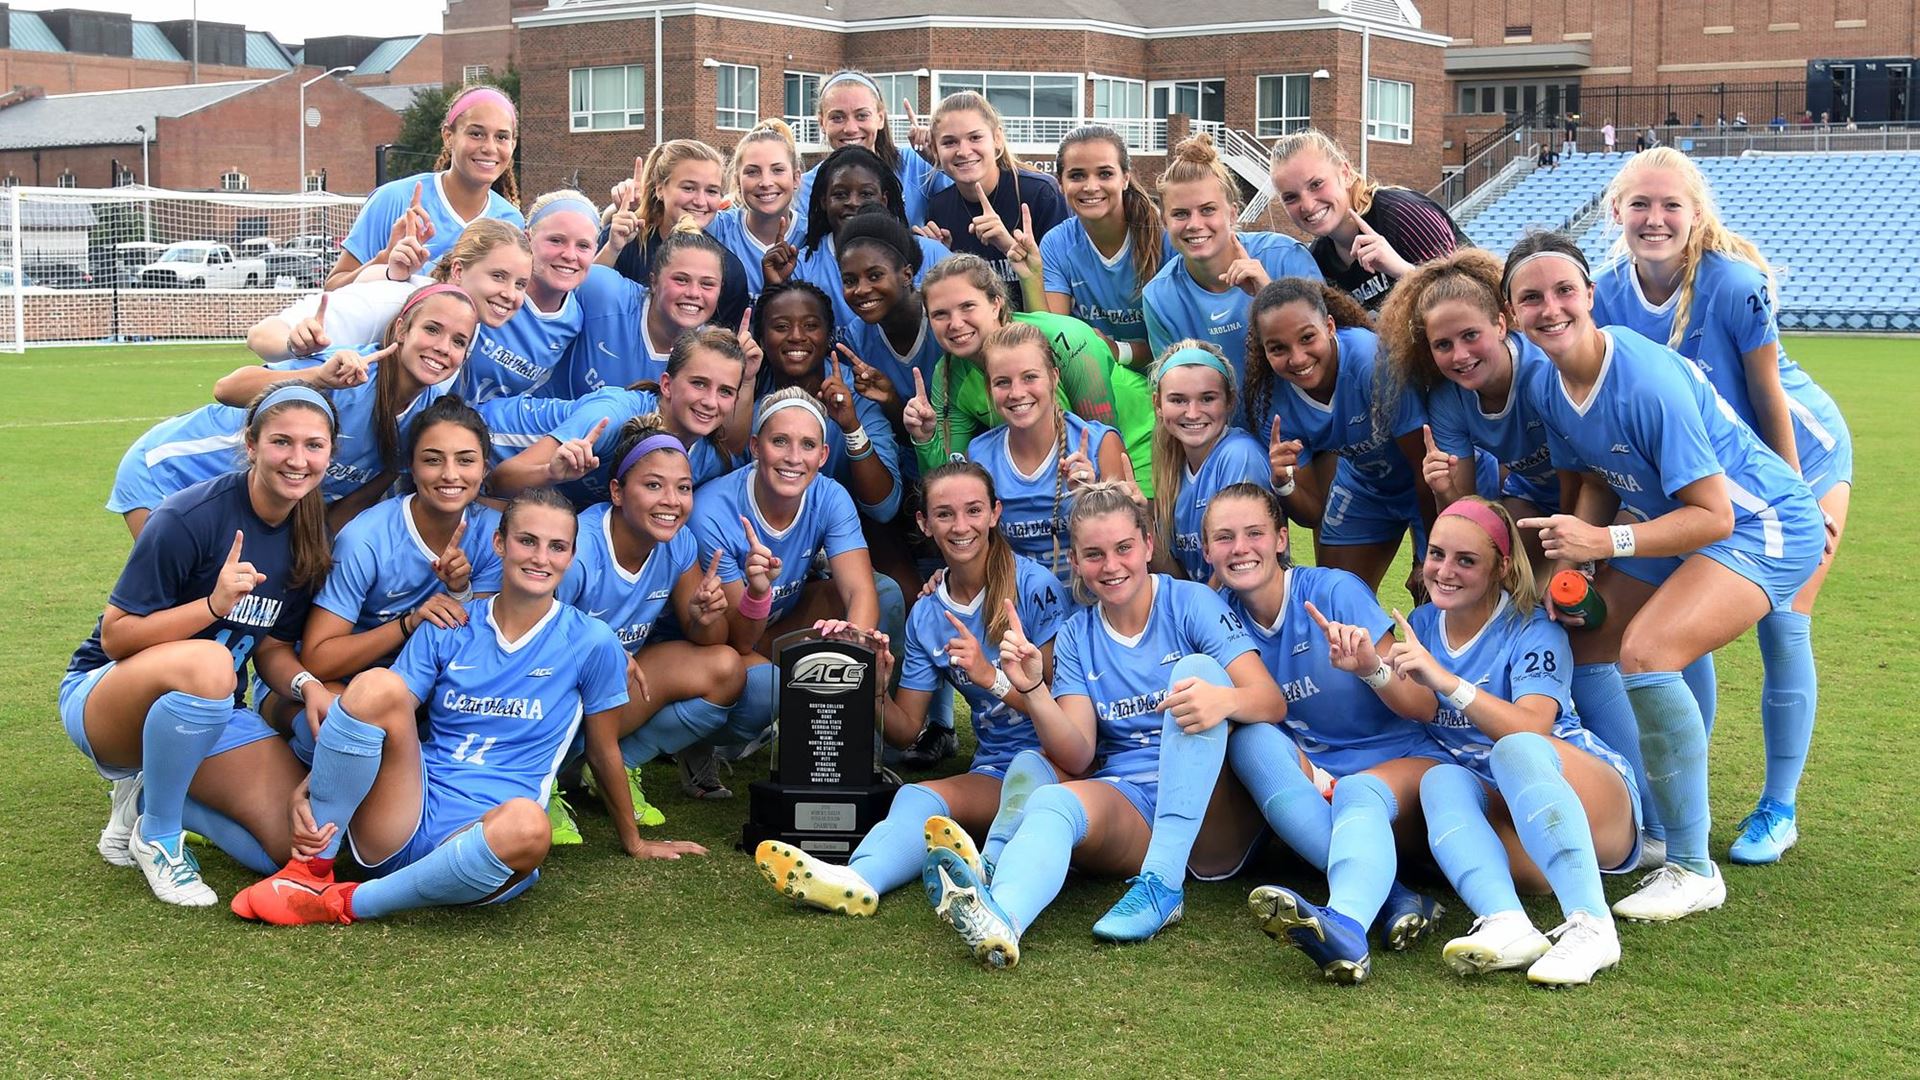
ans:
(825, 790)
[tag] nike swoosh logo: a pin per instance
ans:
(602, 346)
(461, 667)
(1218, 315)
(281, 885)
(394, 593)
(597, 614)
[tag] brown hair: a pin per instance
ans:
(1468, 275)
(506, 184)
(1003, 576)
(974, 271)
(882, 140)
(1169, 456)
(537, 496)
(309, 545)
(476, 242)
(1094, 500)
(772, 129)
(1196, 159)
(387, 405)
(659, 166)
(1268, 501)
(1325, 301)
(1144, 230)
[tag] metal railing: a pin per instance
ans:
(1494, 159)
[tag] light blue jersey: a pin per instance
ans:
(1338, 720)
(827, 521)
(520, 356)
(821, 266)
(383, 208)
(611, 348)
(1512, 656)
(1034, 506)
(1104, 293)
(515, 423)
(1513, 434)
(1236, 458)
(382, 569)
(918, 181)
(1126, 678)
(999, 730)
(1176, 306)
(870, 344)
(630, 603)
(729, 227)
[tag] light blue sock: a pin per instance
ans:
(1463, 841)
(892, 621)
(346, 758)
(1789, 697)
(301, 741)
(1030, 872)
(940, 707)
(1028, 772)
(1361, 860)
(1674, 743)
(894, 850)
(1189, 769)
(461, 871)
(1550, 820)
(1704, 684)
(181, 730)
(1601, 700)
(674, 728)
(229, 836)
(1268, 763)
(753, 713)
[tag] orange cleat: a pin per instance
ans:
(295, 896)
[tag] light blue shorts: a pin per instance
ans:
(1822, 440)
(244, 727)
(1780, 577)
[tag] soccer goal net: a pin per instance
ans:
(92, 266)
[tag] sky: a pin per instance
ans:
(290, 22)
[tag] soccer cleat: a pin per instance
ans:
(125, 801)
(1149, 906)
(945, 834)
(1406, 918)
(174, 876)
(560, 818)
(296, 871)
(812, 882)
(935, 745)
(1503, 941)
(1334, 941)
(961, 898)
(1583, 946)
(700, 774)
(1765, 834)
(1673, 892)
(299, 901)
(1653, 853)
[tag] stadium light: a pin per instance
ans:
(303, 119)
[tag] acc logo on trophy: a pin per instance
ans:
(827, 673)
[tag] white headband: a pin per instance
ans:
(813, 409)
(1514, 270)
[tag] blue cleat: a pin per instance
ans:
(1406, 918)
(1334, 941)
(1149, 907)
(961, 898)
(1765, 834)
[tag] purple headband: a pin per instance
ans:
(648, 445)
(474, 93)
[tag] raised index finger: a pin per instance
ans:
(980, 195)
(418, 189)
(913, 120)
(1013, 618)
(1365, 228)
(459, 533)
(1274, 439)
(919, 384)
(239, 538)
(598, 430)
(320, 313)
(713, 567)
(1406, 629)
(753, 538)
(1314, 614)
(958, 626)
(1026, 220)
(1426, 430)
(746, 320)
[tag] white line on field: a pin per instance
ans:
(81, 423)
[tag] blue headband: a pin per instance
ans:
(297, 393)
(659, 441)
(1192, 356)
(578, 206)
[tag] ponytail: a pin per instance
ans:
(308, 542)
(1003, 574)
(1144, 232)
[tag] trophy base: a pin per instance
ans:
(827, 823)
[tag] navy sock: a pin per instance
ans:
(1551, 821)
(1463, 840)
(181, 730)
(1189, 769)
(1789, 697)
(346, 758)
(1675, 745)
(1034, 866)
(1361, 858)
(895, 850)
(461, 871)
(1268, 763)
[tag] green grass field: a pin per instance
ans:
(612, 967)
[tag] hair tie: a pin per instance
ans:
(468, 97)
(1483, 515)
(560, 206)
(1192, 356)
(769, 408)
(436, 289)
(308, 394)
(657, 441)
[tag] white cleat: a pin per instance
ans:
(1503, 941)
(174, 877)
(119, 829)
(1583, 946)
(1673, 892)
(1653, 853)
(809, 881)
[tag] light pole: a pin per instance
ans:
(146, 180)
(303, 118)
(146, 139)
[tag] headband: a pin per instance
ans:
(648, 445)
(1482, 515)
(303, 393)
(1193, 356)
(473, 95)
(1515, 268)
(767, 410)
(564, 205)
(865, 80)
(435, 289)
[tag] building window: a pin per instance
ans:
(1121, 104)
(1389, 110)
(122, 176)
(1557, 98)
(895, 91)
(802, 107)
(233, 181)
(66, 179)
(1283, 104)
(736, 97)
(609, 98)
(315, 181)
(473, 73)
(1038, 109)
(11, 181)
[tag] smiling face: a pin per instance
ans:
(795, 334)
(686, 288)
(701, 395)
(1020, 380)
(766, 176)
(693, 187)
(1092, 180)
(962, 315)
(963, 145)
(535, 545)
(1199, 218)
(1656, 214)
(790, 449)
(497, 282)
(448, 465)
(1553, 303)
(481, 141)
(960, 517)
(290, 456)
(1468, 347)
(1299, 345)
(1192, 403)
(563, 248)
(1110, 554)
(435, 343)
(1243, 543)
(850, 188)
(1461, 568)
(873, 280)
(655, 495)
(850, 116)
(1313, 191)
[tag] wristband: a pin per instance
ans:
(1029, 689)
(404, 632)
(296, 688)
(858, 444)
(1462, 695)
(756, 608)
(1379, 677)
(1622, 537)
(1286, 489)
(1002, 686)
(216, 615)
(464, 596)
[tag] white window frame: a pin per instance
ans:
(234, 181)
(1389, 111)
(66, 179)
(806, 122)
(1135, 127)
(1027, 134)
(631, 113)
(735, 118)
(893, 90)
(474, 73)
(1282, 123)
(124, 176)
(313, 181)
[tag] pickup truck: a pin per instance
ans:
(201, 264)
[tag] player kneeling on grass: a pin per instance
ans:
(453, 812)
(950, 642)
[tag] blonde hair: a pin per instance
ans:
(1516, 573)
(476, 241)
(1169, 456)
(1015, 335)
(660, 163)
(1360, 189)
(551, 197)
(1096, 500)
(772, 129)
(1708, 233)
(1196, 159)
(969, 101)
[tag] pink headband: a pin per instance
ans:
(434, 289)
(472, 94)
(1482, 515)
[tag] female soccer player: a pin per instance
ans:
(1097, 263)
(1315, 339)
(680, 178)
(473, 179)
(1197, 449)
(762, 227)
(888, 342)
(1367, 236)
(629, 330)
(1682, 277)
(852, 113)
(522, 353)
(850, 180)
(1151, 661)
(1725, 532)
(222, 574)
(1205, 293)
(951, 643)
(1531, 798)
(997, 208)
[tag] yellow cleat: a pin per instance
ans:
(812, 882)
(945, 834)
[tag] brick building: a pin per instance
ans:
(73, 51)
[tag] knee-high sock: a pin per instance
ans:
(1674, 744)
(346, 758)
(181, 730)
(1028, 772)
(1268, 763)
(893, 619)
(753, 713)
(228, 835)
(940, 707)
(301, 740)
(672, 729)
(895, 850)
(1189, 769)
(1789, 697)
(1034, 865)
(460, 871)
(1463, 841)
(1361, 859)
(1551, 821)
(1704, 684)
(1601, 700)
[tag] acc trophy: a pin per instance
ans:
(825, 789)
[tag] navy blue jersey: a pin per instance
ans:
(953, 209)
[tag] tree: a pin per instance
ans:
(418, 146)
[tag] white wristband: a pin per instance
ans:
(464, 596)
(298, 686)
(1622, 537)
(858, 442)
(1463, 695)
(1286, 489)
(1379, 677)
(1002, 686)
